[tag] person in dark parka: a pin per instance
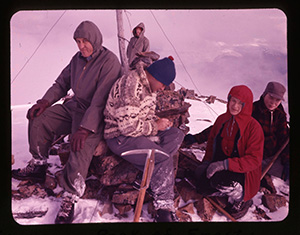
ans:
(90, 74)
(137, 44)
(269, 112)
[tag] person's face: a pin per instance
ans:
(155, 84)
(85, 47)
(235, 106)
(138, 31)
(271, 102)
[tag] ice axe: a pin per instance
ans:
(147, 174)
(275, 156)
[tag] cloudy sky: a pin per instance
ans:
(218, 48)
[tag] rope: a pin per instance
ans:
(209, 108)
(127, 12)
(38, 47)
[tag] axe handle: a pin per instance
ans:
(144, 185)
(219, 208)
(276, 155)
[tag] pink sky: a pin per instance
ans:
(219, 48)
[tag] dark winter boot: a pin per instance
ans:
(165, 216)
(239, 209)
(36, 173)
(66, 212)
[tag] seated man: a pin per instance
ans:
(232, 162)
(137, 44)
(90, 74)
(269, 112)
(131, 122)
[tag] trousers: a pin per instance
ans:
(163, 179)
(61, 119)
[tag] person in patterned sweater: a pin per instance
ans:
(131, 124)
(269, 112)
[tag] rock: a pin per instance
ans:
(103, 164)
(40, 192)
(151, 210)
(129, 197)
(183, 217)
(211, 99)
(64, 152)
(50, 182)
(15, 194)
(123, 209)
(268, 184)
(205, 209)
(186, 191)
(124, 172)
(189, 208)
(260, 213)
(170, 104)
(107, 208)
(273, 201)
(27, 190)
(92, 188)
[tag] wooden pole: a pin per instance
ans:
(148, 170)
(219, 208)
(276, 155)
(121, 40)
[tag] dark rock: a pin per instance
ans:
(273, 201)
(204, 208)
(121, 197)
(107, 208)
(50, 182)
(123, 209)
(92, 188)
(64, 152)
(124, 172)
(183, 216)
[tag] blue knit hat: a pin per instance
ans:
(163, 70)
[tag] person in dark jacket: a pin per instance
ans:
(269, 112)
(232, 162)
(137, 44)
(90, 74)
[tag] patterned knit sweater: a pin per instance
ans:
(130, 107)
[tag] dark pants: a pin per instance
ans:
(55, 121)
(219, 181)
(162, 181)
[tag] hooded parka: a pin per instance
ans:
(89, 78)
(250, 143)
(137, 43)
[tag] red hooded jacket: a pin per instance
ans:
(250, 144)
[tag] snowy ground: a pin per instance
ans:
(86, 211)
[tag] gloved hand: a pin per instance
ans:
(215, 167)
(189, 139)
(78, 139)
(37, 109)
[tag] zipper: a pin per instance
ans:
(271, 123)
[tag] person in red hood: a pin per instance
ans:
(232, 163)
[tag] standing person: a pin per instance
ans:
(232, 163)
(137, 44)
(90, 74)
(269, 112)
(131, 123)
